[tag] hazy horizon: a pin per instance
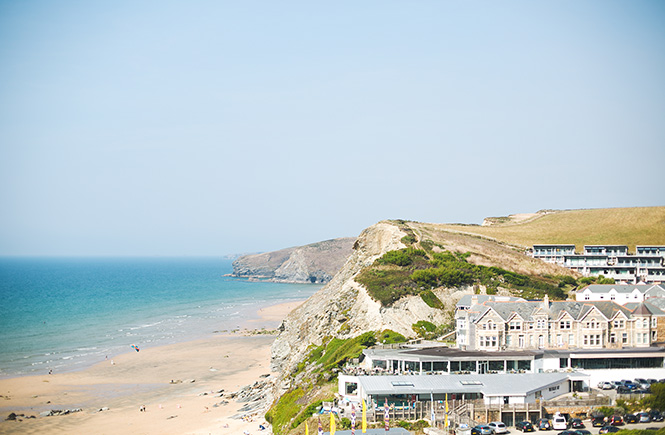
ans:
(216, 128)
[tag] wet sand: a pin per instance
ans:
(158, 378)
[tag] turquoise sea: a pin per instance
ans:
(63, 314)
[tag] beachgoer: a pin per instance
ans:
(50, 371)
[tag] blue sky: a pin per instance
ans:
(218, 127)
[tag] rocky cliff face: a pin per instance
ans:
(345, 302)
(314, 263)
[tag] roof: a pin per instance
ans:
(576, 309)
(393, 430)
(619, 288)
(519, 384)
(467, 300)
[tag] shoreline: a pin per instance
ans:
(179, 384)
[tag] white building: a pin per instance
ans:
(492, 389)
(620, 293)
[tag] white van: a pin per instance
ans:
(559, 422)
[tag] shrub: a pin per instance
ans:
(424, 329)
(431, 300)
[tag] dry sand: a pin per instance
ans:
(126, 382)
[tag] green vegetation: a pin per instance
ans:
(416, 272)
(318, 378)
(595, 280)
(416, 426)
(283, 411)
(431, 300)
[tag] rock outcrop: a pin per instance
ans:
(314, 263)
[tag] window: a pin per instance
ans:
(520, 341)
(619, 323)
(624, 338)
(541, 324)
(515, 325)
(613, 338)
(571, 339)
(612, 297)
(541, 341)
(461, 323)
(559, 340)
(645, 323)
(586, 296)
(509, 340)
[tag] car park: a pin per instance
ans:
(483, 429)
(609, 429)
(525, 426)
(644, 417)
(543, 424)
(576, 423)
(498, 427)
(605, 386)
(631, 418)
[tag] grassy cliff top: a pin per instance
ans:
(623, 226)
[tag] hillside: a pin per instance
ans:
(625, 226)
(403, 279)
(313, 263)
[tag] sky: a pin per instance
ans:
(220, 127)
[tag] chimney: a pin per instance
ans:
(546, 302)
(474, 300)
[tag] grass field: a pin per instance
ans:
(624, 226)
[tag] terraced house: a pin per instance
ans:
(494, 326)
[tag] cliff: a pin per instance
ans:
(344, 309)
(314, 263)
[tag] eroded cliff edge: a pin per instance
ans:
(313, 263)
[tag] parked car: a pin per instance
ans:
(642, 383)
(576, 423)
(483, 429)
(605, 386)
(630, 418)
(498, 427)
(559, 422)
(622, 389)
(656, 415)
(644, 417)
(568, 432)
(543, 424)
(525, 426)
(582, 432)
(475, 431)
(616, 420)
(616, 384)
(609, 429)
(598, 421)
(630, 384)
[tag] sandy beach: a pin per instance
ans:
(178, 384)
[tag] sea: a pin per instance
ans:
(65, 314)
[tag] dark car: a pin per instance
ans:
(598, 421)
(576, 423)
(609, 429)
(567, 432)
(622, 389)
(543, 424)
(525, 426)
(630, 418)
(475, 431)
(656, 415)
(582, 432)
(616, 420)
